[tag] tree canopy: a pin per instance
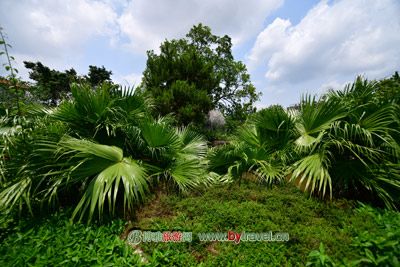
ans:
(193, 75)
(52, 85)
(98, 75)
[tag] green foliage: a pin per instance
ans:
(101, 113)
(99, 150)
(170, 258)
(51, 85)
(345, 144)
(12, 89)
(253, 208)
(24, 165)
(379, 246)
(55, 241)
(196, 74)
(260, 148)
(7, 66)
(388, 90)
(319, 258)
(348, 145)
(110, 169)
(97, 76)
(346, 231)
(102, 147)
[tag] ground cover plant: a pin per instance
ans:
(351, 234)
(56, 241)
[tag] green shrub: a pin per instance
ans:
(319, 258)
(55, 241)
(344, 144)
(102, 147)
(379, 246)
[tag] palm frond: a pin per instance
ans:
(104, 188)
(316, 117)
(269, 172)
(109, 168)
(194, 145)
(313, 170)
(17, 193)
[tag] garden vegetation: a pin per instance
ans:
(83, 153)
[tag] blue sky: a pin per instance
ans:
(291, 47)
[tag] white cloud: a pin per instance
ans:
(333, 43)
(132, 79)
(332, 85)
(271, 39)
(59, 33)
(341, 38)
(55, 30)
(148, 23)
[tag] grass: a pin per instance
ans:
(346, 232)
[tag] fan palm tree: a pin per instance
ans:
(343, 144)
(261, 147)
(102, 144)
(100, 113)
(347, 145)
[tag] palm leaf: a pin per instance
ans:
(316, 117)
(313, 170)
(109, 168)
(106, 185)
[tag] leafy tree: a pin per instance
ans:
(388, 90)
(196, 74)
(51, 85)
(98, 75)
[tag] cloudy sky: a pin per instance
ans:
(291, 47)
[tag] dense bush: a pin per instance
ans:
(55, 241)
(260, 147)
(343, 144)
(101, 144)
